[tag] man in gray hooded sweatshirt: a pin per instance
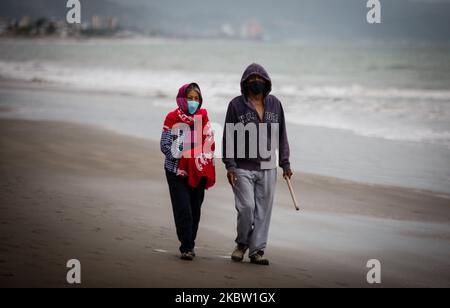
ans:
(254, 129)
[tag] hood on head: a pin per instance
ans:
(181, 97)
(256, 69)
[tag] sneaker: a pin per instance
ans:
(238, 253)
(258, 259)
(193, 253)
(187, 256)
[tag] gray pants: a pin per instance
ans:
(253, 194)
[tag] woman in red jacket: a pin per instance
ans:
(187, 141)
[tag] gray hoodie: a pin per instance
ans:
(240, 110)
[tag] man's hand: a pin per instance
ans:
(287, 174)
(231, 175)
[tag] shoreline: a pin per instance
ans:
(314, 159)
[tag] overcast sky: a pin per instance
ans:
(409, 20)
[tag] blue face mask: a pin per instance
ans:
(192, 106)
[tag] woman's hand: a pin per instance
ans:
(231, 175)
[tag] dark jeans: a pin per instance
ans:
(186, 205)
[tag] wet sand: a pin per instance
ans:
(77, 191)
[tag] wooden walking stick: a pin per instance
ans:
(294, 199)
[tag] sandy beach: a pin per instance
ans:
(79, 191)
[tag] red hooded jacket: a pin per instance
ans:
(197, 160)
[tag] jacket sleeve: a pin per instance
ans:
(283, 151)
(230, 163)
(171, 145)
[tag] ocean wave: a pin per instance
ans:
(419, 115)
(360, 91)
(369, 127)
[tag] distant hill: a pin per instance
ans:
(409, 20)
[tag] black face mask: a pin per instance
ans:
(256, 87)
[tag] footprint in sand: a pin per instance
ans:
(119, 238)
(38, 231)
(13, 246)
(122, 264)
(96, 252)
